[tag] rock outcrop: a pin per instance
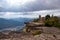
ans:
(49, 33)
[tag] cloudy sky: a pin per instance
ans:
(28, 8)
(34, 14)
(28, 5)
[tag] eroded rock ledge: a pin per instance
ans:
(49, 33)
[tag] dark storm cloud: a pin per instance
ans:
(31, 6)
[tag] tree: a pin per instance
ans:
(47, 17)
(52, 21)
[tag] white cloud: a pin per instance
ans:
(29, 14)
(28, 5)
(20, 2)
(7, 4)
(16, 15)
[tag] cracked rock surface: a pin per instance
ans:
(49, 33)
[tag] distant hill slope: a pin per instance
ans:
(23, 19)
(4, 23)
(12, 23)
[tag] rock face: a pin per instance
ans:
(49, 33)
(31, 37)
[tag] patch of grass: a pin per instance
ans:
(36, 32)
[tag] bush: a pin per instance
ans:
(49, 23)
(52, 21)
(36, 32)
(57, 24)
(47, 17)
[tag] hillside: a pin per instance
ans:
(4, 23)
(35, 30)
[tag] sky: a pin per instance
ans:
(28, 8)
(34, 14)
(28, 5)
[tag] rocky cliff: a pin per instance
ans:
(48, 33)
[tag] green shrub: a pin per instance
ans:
(49, 23)
(36, 32)
(47, 17)
(57, 24)
(52, 21)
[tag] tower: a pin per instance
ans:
(39, 17)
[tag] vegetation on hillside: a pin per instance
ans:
(49, 21)
(36, 32)
(52, 21)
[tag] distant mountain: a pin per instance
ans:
(13, 23)
(23, 19)
(4, 23)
